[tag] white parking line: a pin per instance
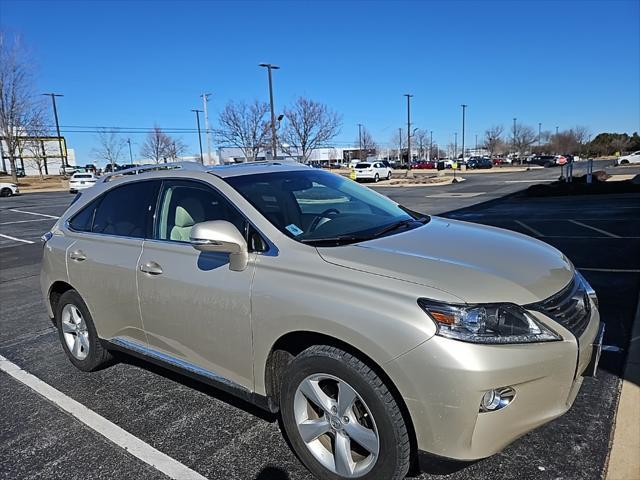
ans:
(14, 238)
(455, 195)
(529, 181)
(604, 232)
(33, 213)
(531, 229)
(136, 447)
(27, 221)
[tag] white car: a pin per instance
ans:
(81, 181)
(371, 171)
(8, 189)
(631, 158)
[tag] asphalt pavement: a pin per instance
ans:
(220, 437)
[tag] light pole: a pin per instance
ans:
(476, 144)
(408, 95)
(464, 108)
(539, 134)
(514, 137)
(274, 139)
(430, 143)
(400, 145)
(360, 141)
(455, 147)
(63, 157)
(130, 153)
(198, 112)
(205, 101)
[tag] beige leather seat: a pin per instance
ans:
(188, 213)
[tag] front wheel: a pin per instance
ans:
(6, 192)
(389, 176)
(341, 419)
(376, 178)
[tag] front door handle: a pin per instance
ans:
(77, 255)
(152, 268)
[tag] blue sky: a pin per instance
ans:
(136, 64)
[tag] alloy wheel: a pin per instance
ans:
(336, 425)
(75, 332)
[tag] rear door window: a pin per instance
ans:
(127, 210)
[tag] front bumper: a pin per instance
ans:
(442, 382)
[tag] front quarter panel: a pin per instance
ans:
(297, 291)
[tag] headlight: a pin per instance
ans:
(496, 323)
(588, 288)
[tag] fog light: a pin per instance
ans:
(496, 399)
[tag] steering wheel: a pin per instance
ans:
(315, 223)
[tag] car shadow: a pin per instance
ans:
(193, 384)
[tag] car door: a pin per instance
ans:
(102, 259)
(194, 308)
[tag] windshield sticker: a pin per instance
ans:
(294, 229)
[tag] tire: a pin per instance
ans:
(6, 192)
(624, 162)
(91, 354)
(373, 417)
(376, 179)
(389, 176)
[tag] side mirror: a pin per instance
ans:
(224, 237)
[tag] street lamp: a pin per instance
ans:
(408, 95)
(130, 153)
(360, 141)
(198, 112)
(539, 134)
(63, 158)
(274, 140)
(514, 137)
(464, 107)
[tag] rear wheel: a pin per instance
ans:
(624, 162)
(78, 333)
(389, 176)
(6, 192)
(376, 178)
(341, 419)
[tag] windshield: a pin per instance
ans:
(323, 208)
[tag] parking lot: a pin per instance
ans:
(206, 433)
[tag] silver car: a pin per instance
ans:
(380, 335)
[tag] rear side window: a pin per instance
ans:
(127, 210)
(83, 220)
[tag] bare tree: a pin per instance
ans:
(366, 141)
(493, 138)
(110, 147)
(523, 137)
(244, 126)
(157, 146)
(17, 106)
(421, 139)
(310, 125)
(176, 148)
(32, 148)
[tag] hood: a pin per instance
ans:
(476, 263)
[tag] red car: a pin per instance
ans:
(431, 165)
(500, 161)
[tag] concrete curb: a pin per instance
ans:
(624, 458)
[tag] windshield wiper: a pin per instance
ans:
(334, 241)
(397, 225)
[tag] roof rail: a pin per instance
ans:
(195, 166)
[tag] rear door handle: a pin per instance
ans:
(152, 268)
(77, 255)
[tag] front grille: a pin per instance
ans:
(569, 307)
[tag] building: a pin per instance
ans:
(36, 153)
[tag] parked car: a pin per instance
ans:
(20, 172)
(111, 168)
(627, 159)
(371, 171)
(80, 181)
(8, 189)
(67, 170)
(428, 165)
(479, 163)
(500, 161)
(543, 160)
(378, 334)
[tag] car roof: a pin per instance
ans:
(255, 168)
